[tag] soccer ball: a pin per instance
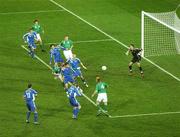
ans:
(103, 67)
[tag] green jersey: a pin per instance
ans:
(101, 87)
(37, 28)
(56, 69)
(67, 44)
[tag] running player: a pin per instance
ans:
(29, 96)
(30, 38)
(38, 29)
(67, 46)
(74, 91)
(55, 54)
(101, 90)
(75, 65)
(136, 53)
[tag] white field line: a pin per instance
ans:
(51, 69)
(85, 41)
(148, 114)
(111, 37)
(29, 12)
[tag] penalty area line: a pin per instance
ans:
(111, 37)
(43, 62)
(29, 12)
(148, 114)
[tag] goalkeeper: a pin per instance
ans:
(136, 53)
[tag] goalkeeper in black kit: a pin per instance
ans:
(136, 53)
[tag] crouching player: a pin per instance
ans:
(67, 75)
(55, 54)
(29, 96)
(75, 65)
(136, 58)
(74, 91)
(30, 38)
(101, 90)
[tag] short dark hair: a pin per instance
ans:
(29, 85)
(98, 79)
(35, 20)
(66, 63)
(52, 45)
(132, 45)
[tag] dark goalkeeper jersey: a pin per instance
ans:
(135, 53)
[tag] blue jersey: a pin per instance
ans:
(56, 55)
(30, 38)
(29, 95)
(75, 63)
(68, 75)
(73, 92)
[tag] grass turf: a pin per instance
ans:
(157, 92)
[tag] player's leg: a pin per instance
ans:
(39, 40)
(82, 78)
(105, 100)
(70, 55)
(34, 109)
(76, 111)
(28, 113)
(130, 67)
(66, 55)
(98, 101)
(140, 68)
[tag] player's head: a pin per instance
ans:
(29, 85)
(98, 79)
(131, 47)
(66, 38)
(52, 46)
(66, 64)
(31, 30)
(36, 21)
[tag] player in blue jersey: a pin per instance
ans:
(29, 96)
(67, 74)
(55, 54)
(74, 91)
(75, 64)
(30, 38)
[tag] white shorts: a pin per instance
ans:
(68, 54)
(102, 97)
(38, 37)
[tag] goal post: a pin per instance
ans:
(160, 33)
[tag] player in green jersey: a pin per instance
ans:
(56, 71)
(67, 46)
(101, 90)
(38, 29)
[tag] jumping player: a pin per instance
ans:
(75, 64)
(38, 29)
(55, 54)
(136, 53)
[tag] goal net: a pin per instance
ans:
(160, 33)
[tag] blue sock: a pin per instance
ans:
(28, 115)
(35, 116)
(76, 111)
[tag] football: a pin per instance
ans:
(103, 67)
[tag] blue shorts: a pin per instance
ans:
(77, 73)
(31, 106)
(31, 46)
(74, 102)
(58, 60)
(68, 79)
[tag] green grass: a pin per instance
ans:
(157, 92)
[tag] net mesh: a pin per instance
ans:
(161, 34)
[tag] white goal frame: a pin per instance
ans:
(143, 14)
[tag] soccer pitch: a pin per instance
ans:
(147, 107)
